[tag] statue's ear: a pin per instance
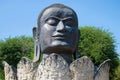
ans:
(34, 30)
(36, 45)
(76, 54)
(78, 35)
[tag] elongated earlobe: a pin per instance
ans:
(36, 52)
(76, 54)
(78, 36)
(36, 45)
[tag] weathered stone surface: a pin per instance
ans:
(82, 69)
(54, 67)
(10, 72)
(25, 69)
(103, 71)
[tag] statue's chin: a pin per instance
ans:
(60, 49)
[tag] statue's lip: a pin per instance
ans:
(59, 37)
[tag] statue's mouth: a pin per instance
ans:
(59, 37)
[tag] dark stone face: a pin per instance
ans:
(58, 31)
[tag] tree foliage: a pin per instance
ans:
(99, 45)
(117, 73)
(12, 49)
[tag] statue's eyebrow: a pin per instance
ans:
(68, 18)
(64, 19)
(53, 18)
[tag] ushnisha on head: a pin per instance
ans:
(57, 31)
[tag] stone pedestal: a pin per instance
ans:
(54, 67)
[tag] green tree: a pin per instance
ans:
(117, 73)
(99, 45)
(12, 49)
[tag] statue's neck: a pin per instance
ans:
(66, 57)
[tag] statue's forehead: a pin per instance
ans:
(58, 12)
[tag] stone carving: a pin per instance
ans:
(10, 72)
(55, 67)
(103, 71)
(57, 37)
(83, 69)
(25, 69)
(57, 32)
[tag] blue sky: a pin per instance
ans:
(17, 17)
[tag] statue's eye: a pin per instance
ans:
(69, 22)
(52, 21)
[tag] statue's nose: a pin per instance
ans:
(61, 27)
